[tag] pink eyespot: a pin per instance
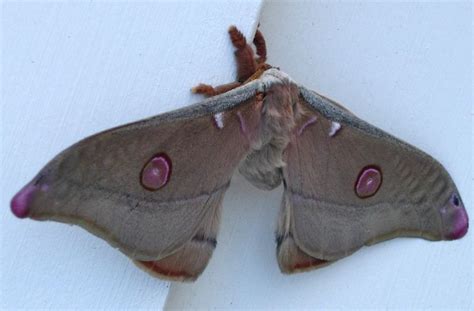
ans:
(368, 182)
(156, 173)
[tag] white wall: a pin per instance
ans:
(405, 67)
(71, 70)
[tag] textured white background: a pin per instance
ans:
(71, 70)
(405, 67)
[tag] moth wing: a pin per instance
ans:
(153, 189)
(349, 184)
(188, 262)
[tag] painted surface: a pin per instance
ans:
(72, 70)
(69, 71)
(404, 67)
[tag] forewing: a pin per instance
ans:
(150, 187)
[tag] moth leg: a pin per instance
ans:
(208, 90)
(261, 47)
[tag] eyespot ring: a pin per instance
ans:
(156, 173)
(368, 181)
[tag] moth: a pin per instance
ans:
(154, 188)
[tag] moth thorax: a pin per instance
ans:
(262, 167)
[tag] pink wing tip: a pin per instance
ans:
(461, 224)
(20, 202)
(455, 218)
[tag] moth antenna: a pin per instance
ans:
(237, 38)
(260, 46)
(246, 64)
(247, 67)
